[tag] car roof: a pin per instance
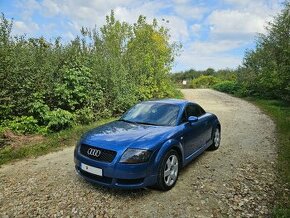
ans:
(170, 101)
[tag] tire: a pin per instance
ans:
(168, 171)
(216, 138)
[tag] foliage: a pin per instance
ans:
(2, 136)
(204, 81)
(189, 75)
(224, 74)
(265, 71)
(50, 86)
(150, 57)
(59, 119)
(75, 88)
(227, 86)
(23, 124)
(85, 115)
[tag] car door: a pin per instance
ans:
(204, 119)
(192, 133)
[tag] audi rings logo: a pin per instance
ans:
(94, 152)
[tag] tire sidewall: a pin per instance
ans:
(213, 137)
(160, 180)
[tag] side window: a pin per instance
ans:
(184, 117)
(194, 110)
(191, 110)
(201, 110)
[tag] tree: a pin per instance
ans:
(150, 57)
(266, 69)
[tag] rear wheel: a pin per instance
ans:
(168, 171)
(216, 138)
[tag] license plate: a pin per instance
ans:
(93, 170)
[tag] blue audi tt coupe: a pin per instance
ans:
(148, 145)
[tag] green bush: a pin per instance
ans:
(98, 74)
(227, 86)
(2, 137)
(76, 88)
(38, 109)
(59, 119)
(204, 82)
(85, 116)
(23, 124)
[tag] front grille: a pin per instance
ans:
(129, 181)
(88, 175)
(105, 156)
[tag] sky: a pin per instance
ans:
(213, 33)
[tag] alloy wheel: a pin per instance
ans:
(171, 170)
(217, 138)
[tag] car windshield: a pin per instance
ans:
(152, 113)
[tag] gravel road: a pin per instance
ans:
(235, 180)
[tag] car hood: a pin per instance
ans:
(119, 135)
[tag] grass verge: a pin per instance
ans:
(280, 113)
(53, 142)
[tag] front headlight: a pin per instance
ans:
(132, 156)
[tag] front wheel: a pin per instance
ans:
(168, 171)
(216, 138)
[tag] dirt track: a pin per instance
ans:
(235, 180)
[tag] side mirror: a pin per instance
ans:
(192, 119)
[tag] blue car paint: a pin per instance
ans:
(190, 140)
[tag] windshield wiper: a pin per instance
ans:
(137, 122)
(128, 121)
(151, 124)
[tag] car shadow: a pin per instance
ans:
(127, 193)
(186, 168)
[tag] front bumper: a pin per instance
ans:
(115, 174)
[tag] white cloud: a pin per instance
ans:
(265, 9)
(203, 54)
(263, 6)
(178, 28)
(189, 60)
(235, 24)
(189, 12)
(195, 28)
(21, 27)
(69, 36)
(129, 14)
(243, 2)
(51, 8)
(27, 8)
(180, 1)
(213, 47)
(83, 13)
(243, 19)
(201, 62)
